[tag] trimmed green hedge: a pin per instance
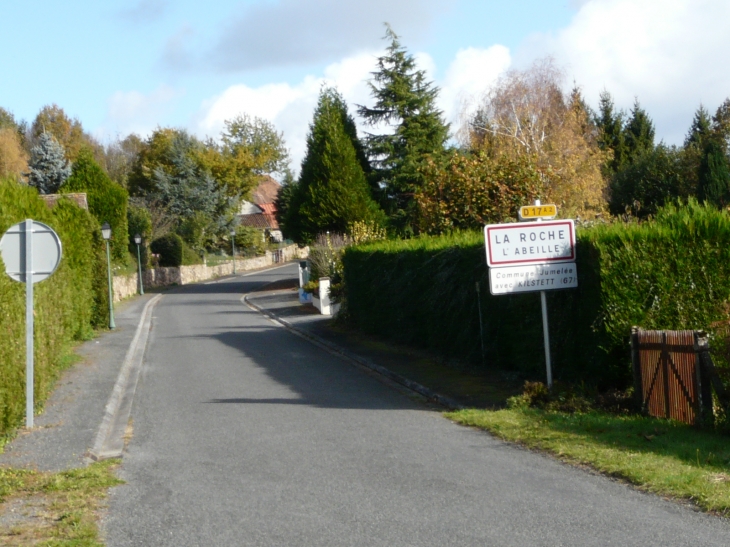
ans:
(67, 305)
(671, 273)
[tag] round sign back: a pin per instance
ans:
(44, 245)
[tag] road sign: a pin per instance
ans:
(530, 212)
(46, 251)
(530, 243)
(537, 277)
(31, 252)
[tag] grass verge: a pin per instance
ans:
(659, 456)
(54, 509)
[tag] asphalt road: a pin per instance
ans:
(245, 434)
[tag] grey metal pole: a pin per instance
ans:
(29, 325)
(139, 265)
(546, 338)
(233, 242)
(546, 330)
(111, 294)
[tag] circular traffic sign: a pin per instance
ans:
(43, 243)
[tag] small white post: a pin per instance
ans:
(324, 295)
(29, 324)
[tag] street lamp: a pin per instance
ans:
(233, 244)
(138, 241)
(106, 233)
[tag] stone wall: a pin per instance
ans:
(126, 285)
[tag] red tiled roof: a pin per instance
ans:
(266, 191)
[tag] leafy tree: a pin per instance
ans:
(154, 154)
(405, 102)
(13, 158)
(187, 192)
(139, 221)
(653, 179)
(528, 115)
(120, 156)
(332, 191)
(69, 133)
(610, 124)
(467, 191)
(638, 133)
(107, 200)
(249, 147)
(48, 167)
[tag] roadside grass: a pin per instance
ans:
(660, 456)
(54, 509)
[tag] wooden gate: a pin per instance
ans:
(668, 375)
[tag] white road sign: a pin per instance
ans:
(530, 243)
(536, 277)
(46, 250)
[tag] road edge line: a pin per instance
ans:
(109, 441)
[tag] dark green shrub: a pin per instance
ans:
(170, 249)
(67, 305)
(107, 200)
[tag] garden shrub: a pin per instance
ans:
(170, 249)
(67, 305)
(670, 273)
(107, 200)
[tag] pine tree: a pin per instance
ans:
(638, 133)
(405, 101)
(48, 167)
(714, 175)
(332, 191)
(699, 130)
(611, 133)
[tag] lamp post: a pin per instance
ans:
(106, 233)
(138, 241)
(233, 244)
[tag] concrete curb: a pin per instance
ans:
(109, 442)
(353, 358)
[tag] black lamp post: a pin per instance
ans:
(106, 233)
(138, 241)
(233, 244)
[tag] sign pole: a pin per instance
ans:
(545, 329)
(29, 324)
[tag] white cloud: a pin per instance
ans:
(671, 54)
(292, 32)
(470, 74)
(135, 112)
(290, 106)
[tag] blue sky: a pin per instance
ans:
(123, 66)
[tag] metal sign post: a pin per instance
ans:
(527, 257)
(31, 252)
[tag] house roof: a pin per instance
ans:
(263, 221)
(266, 191)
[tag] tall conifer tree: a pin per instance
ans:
(611, 132)
(48, 167)
(406, 102)
(332, 191)
(638, 132)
